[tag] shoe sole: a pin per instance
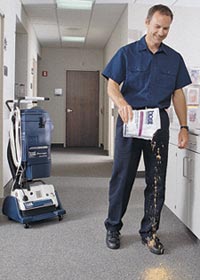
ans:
(114, 247)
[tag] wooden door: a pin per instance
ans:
(82, 108)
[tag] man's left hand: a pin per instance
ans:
(183, 138)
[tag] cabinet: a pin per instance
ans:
(194, 197)
(183, 182)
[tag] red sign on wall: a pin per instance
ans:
(44, 73)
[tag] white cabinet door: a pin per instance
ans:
(183, 185)
(188, 192)
(178, 182)
(194, 198)
(171, 179)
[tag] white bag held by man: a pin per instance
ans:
(144, 124)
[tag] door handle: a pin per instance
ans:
(69, 110)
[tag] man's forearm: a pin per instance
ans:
(124, 109)
(115, 94)
(181, 112)
(180, 106)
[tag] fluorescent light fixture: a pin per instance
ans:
(76, 39)
(75, 4)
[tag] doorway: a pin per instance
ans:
(82, 108)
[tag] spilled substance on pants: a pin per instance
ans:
(155, 185)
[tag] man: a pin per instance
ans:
(151, 74)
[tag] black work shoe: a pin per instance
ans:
(113, 239)
(154, 245)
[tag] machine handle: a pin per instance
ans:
(25, 98)
(7, 104)
(32, 98)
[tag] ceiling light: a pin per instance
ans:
(75, 4)
(73, 39)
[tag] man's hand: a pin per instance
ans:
(125, 113)
(124, 109)
(180, 107)
(183, 138)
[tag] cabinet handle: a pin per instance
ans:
(185, 167)
(190, 169)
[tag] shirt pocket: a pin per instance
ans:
(166, 79)
(137, 77)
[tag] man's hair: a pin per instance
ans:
(162, 9)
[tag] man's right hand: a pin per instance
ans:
(125, 113)
(124, 109)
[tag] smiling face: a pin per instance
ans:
(157, 29)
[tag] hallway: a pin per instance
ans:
(74, 249)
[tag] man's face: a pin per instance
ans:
(158, 28)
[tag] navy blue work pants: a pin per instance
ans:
(126, 160)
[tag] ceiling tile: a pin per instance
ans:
(73, 18)
(44, 34)
(37, 2)
(187, 3)
(72, 31)
(154, 2)
(113, 1)
(100, 30)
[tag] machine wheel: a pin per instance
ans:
(60, 217)
(26, 226)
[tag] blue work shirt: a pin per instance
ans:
(149, 80)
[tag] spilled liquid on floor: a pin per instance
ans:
(158, 273)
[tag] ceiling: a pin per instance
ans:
(96, 25)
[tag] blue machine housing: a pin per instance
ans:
(11, 209)
(36, 127)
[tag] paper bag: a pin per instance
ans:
(143, 125)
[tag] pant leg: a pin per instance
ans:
(155, 159)
(126, 160)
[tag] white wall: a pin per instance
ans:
(56, 61)
(136, 19)
(183, 35)
(9, 11)
(21, 64)
(118, 38)
(12, 9)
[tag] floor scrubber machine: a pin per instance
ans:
(29, 158)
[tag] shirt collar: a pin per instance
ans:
(143, 46)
